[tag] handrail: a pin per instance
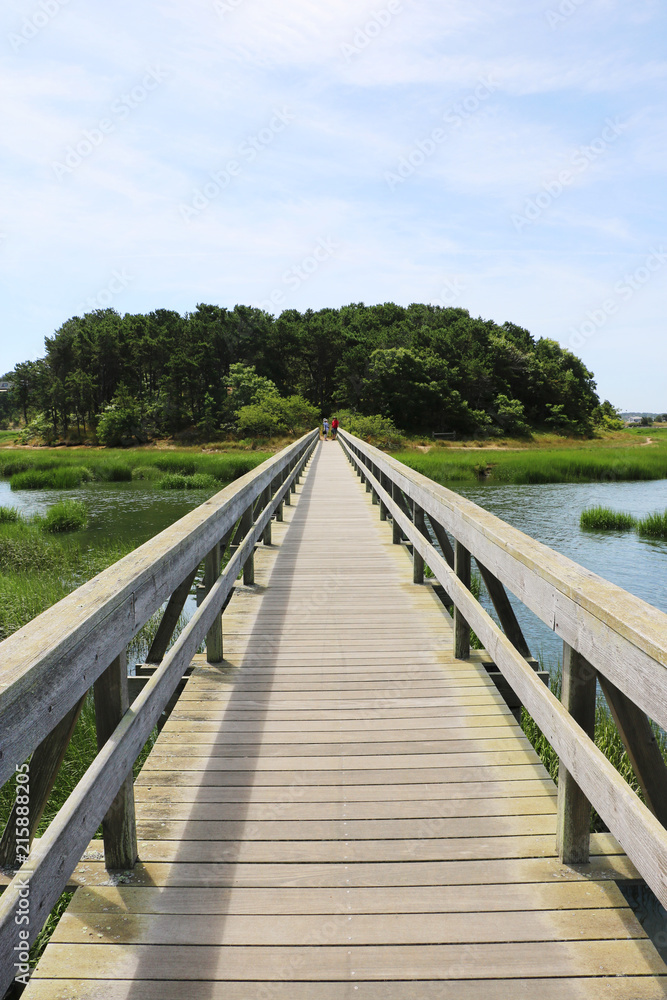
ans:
(49, 665)
(608, 635)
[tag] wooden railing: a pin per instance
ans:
(609, 636)
(48, 667)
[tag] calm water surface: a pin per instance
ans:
(551, 515)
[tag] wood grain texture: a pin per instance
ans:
(334, 813)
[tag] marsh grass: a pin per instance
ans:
(67, 515)
(9, 515)
(70, 469)
(66, 478)
(653, 526)
(197, 481)
(583, 463)
(605, 519)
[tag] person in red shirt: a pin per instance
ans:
(334, 428)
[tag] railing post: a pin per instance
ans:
(383, 508)
(119, 826)
(417, 561)
(266, 534)
(214, 653)
(461, 626)
(287, 499)
(249, 565)
(296, 478)
(397, 534)
(44, 766)
(574, 810)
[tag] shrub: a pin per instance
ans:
(67, 478)
(67, 515)
(272, 415)
(377, 430)
(121, 420)
(604, 519)
(653, 526)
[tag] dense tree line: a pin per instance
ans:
(424, 367)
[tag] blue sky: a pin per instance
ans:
(508, 157)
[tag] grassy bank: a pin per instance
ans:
(42, 468)
(623, 457)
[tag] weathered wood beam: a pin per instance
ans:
(461, 626)
(45, 764)
(574, 810)
(119, 826)
(642, 747)
(169, 619)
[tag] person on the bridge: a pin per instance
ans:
(325, 429)
(334, 428)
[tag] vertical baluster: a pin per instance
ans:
(574, 810)
(118, 826)
(249, 565)
(266, 534)
(461, 627)
(214, 652)
(397, 534)
(417, 561)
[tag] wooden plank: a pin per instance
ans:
(323, 962)
(579, 689)
(350, 930)
(562, 988)
(366, 900)
(51, 655)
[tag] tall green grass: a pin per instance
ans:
(69, 469)
(605, 519)
(534, 466)
(198, 481)
(68, 515)
(47, 479)
(653, 526)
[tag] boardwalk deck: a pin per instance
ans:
(342, 810)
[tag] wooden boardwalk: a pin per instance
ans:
(342, 810)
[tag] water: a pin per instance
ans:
(130, 512)
(550, 513)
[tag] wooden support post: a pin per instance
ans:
(443, 540)
(417, 561)
(504, 610)
(383, 508)
(287, 499)
(169, 620)
(249, 565)
(214, 653)
(397, 536)
(266, 534)
(118, 826)
(574, 810)
(44, 766)
(293, 486)
(461, 627)
(642, 747)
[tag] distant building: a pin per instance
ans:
(5, 386)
